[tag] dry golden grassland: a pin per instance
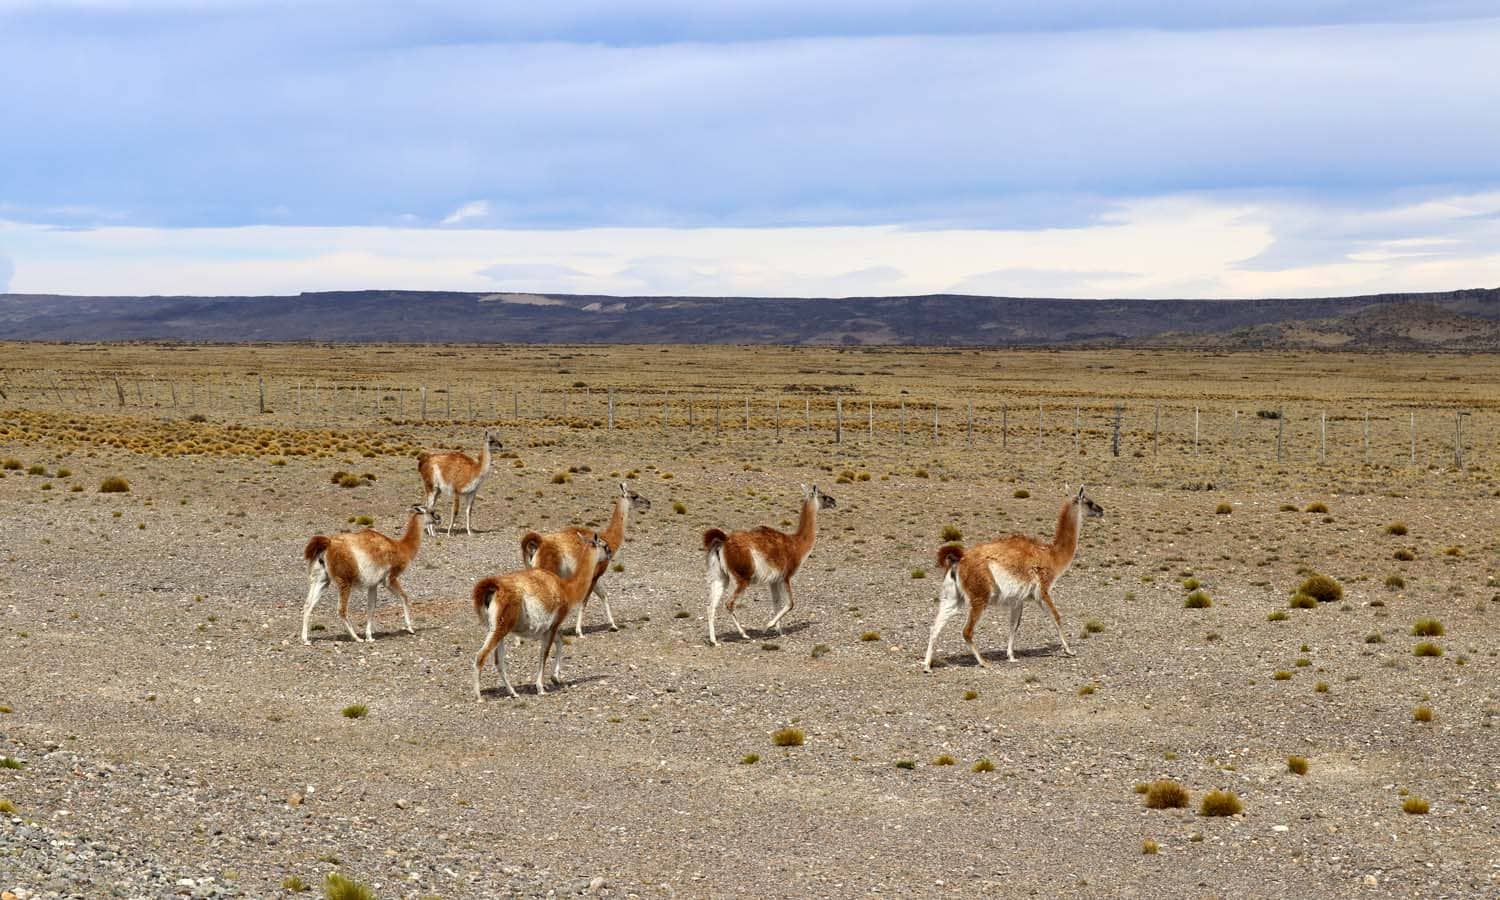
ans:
(1232, 613)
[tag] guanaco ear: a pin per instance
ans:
(624, 491)
(806, 492)
(1080, 492)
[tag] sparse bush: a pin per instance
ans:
(10, 762)
(294, 884)
(356, 711)
(1428, 628)
(905, 764)
(918, 573)
(951, 533)
(1415, 806)
(1281, 675)
(1277, 615)
(64, 473)
(1427, 648)
(1021, 494)
(1287, 507)
(1321, 687)
(337, 887)
(1395, 582)
(1302, 601)
(1404, 555)
(10, 464)
(36, 469)
(870, 636)
(561, 478)
(788, 737)
(1322, 589)
(1374, 637)
(1093, 626)
(1197, 600)
(1396, 528)
(1223, 509)
(1191, 584)
(679, 508)
(982, 765)
(1297, 765)
(920, 473)
(114, 484)
(819, 650)
(1453, 551)
(349, 480)
(7, 808)
(971, 695)
(1422, 714)
(749, 759)
(1317, 506)
(1220, 803)
(1087, 689)
(1164, 793)
(944, 760)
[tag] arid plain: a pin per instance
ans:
(171, 736)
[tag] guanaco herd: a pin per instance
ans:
(564, 568)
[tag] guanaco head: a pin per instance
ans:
(429, 517)
(637, 502)
(600, 544)
(493, 441)
(1087, 504)
(823, 500)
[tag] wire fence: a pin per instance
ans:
(1285, 432)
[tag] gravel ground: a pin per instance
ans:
(175, 739)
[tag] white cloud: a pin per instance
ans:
(476, 209)
(1179, 246)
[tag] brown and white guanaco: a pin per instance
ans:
(457, 474)
(561, 551)
(363, 560)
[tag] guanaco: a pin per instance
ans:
(560, 551)
(760, 556)
(1009, 570)
(457, 474)
(365, 560)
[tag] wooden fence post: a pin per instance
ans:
(611, 426)
(1115, 442)
(969, 434)
(903, 420)
(1413, 430)
(807, 414)
(934, 421)
(747, 414)
(119, 390)
(1156, 432)
(1367, 435)
(838, 428)
(1323, 436)
(424, 403)
(1077, 429)
(1004, 426)
(1280, 431)
(870, 412)
(1196, 430)
(262, 380)
(778, 419)
(718, 415)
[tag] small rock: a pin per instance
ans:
(294, 800)
(1371, 881)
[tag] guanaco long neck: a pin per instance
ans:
(578, 584)
(614, 532)
(484, 457)
(807, 525)
(1065, 538)
(411, 538)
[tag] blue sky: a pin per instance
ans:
(1073, 148)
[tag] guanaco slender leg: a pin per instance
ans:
(950, 600)
(976, 609)
(1046, 597)
(344, 609)
(394, 583)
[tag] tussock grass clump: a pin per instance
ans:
(1317, 506)
(906, 764)
(682, 614)
(1164, 793)
(1150, 847)
(1396, 528)
(951, 533)
(971, 695)
(1404, 555)
(1277, 615)
(1087, 689)
(1287, 507)
(1191, 584)
(944, 760)
(1428, 628)
(819, 650)
(114, 484)
(982, 765)
(355, 711)
(788, 737)
(749, 759)
(561, 478)
(1281, 675)
(1453, 551)
(918, 573)
(295, 885)
(1220, 803)
(1197, 600)
(1302, 601)
(8, 808)
(1322, 589)
(10, 464)
(1422, 714)
(1297, 765)
(1093, 626)
(679, 508)
(1374, 637)
(1395, 582)
(1021, 493)
(870, 636)
(10, 762)
(36, 469)
(1427, 648)
(1321, 687)
(1416, 806)
(337, 887)
(1223, 509)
